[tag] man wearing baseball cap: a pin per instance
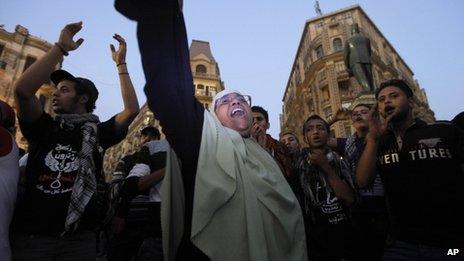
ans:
(235, 201)
(421, 166)
(59, 206)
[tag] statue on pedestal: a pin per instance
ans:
(358, 59)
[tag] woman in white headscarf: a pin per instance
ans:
(238, 205)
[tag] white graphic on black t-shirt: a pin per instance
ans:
(431, 143)
(330, 206)
(62, 161)
(423, 150)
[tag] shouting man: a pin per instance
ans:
(326, 194)
(421, 166)
(59, 206)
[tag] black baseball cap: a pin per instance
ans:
(398, 83)
(89, 87)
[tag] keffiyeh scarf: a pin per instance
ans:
(85, 184)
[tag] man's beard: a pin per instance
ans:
(400, 116)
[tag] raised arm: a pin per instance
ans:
(151, 179)
(165, 58)
(27, 104)
(365, 171)
(129, 98)
(366, 168)
(341, 115)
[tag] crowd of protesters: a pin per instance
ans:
(219, 187)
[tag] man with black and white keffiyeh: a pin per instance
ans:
(60, 205)
(326, 192)
(85, 184)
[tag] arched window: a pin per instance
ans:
(200, 68)
(319, 52)
(337, 44)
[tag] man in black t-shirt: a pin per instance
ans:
(326, 194)
(59, 210)
(421, 166)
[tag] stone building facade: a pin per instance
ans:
(318, 82)
(206, 74)
(207, 82)
(18, 51)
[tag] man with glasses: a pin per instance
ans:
(326, 194)
(369, 214)
(234, 200)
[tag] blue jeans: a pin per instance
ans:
(405, 251)
(80, 246)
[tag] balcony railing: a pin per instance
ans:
(205, 93)
(206, 75)
(340, 67)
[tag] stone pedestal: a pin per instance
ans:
(363, 98)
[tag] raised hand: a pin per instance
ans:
(377, 127)
(119, 56)
(318, 158)
(342, 114)
(259, 134)
(66, 41)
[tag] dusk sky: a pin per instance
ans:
(255, 43)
